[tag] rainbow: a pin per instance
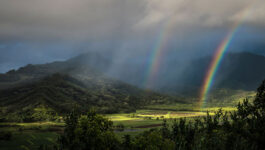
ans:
(218, 57)
(157, 54)
(159, 50)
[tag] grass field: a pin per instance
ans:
(32, 135)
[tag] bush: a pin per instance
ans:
(91, 131)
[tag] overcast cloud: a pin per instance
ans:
(43, 29)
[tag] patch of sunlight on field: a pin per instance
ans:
(172, 114)
(193, 108)
(121, 117)
(32, 124)
(40, 124)
(213, 109)
(153, 115)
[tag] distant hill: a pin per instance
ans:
(87, 81)
(31, 73)
(58, 87)
(237, 71)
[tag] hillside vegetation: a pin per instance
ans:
(242, 129)
(57, 94)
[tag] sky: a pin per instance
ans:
(35, 31)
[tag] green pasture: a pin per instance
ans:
(33, 135)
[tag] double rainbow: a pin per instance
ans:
(159, 50)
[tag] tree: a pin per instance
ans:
(242, 129)
(152, 140)
(127, 143)
(88, 132)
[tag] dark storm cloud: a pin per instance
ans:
(37, 31)
(66, 19)
(92, 19)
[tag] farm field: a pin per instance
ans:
(33, 135)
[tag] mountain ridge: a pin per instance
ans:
(57, 93)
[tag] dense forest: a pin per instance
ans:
(242, 129)
(56, 94)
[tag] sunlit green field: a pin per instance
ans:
(151, 116)
(33, 135)
(189, 108)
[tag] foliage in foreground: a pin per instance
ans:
(242, 129)
(92, 131)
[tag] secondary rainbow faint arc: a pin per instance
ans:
(218, 56)
(157, 54)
